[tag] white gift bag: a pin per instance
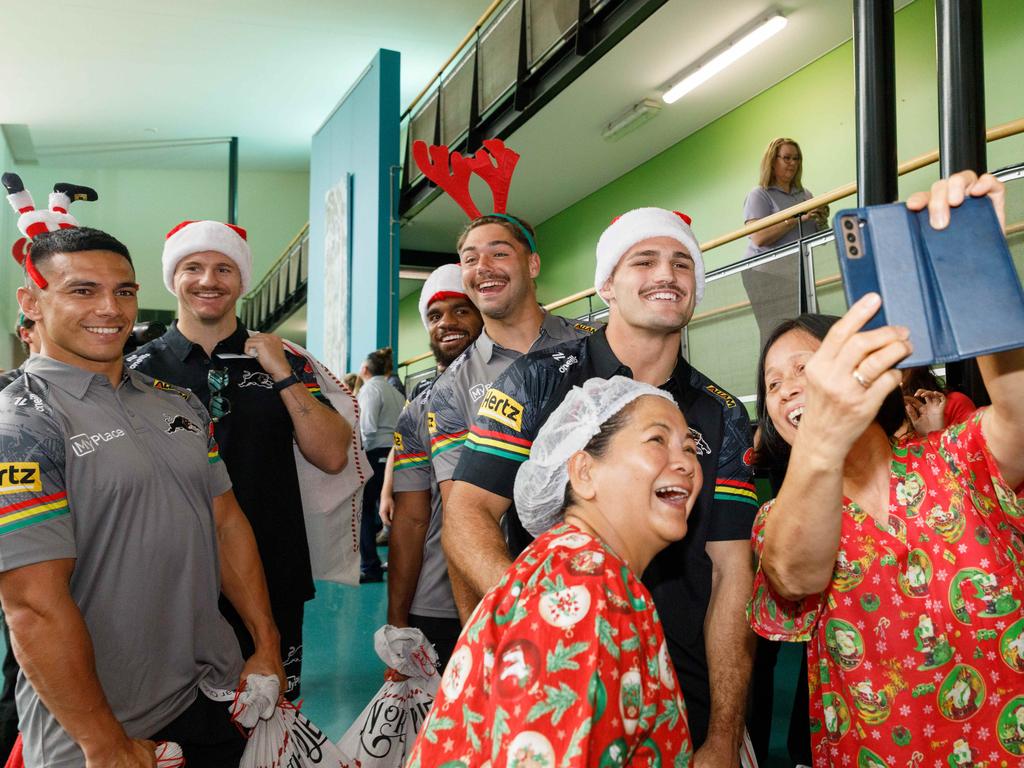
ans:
(383, 734)
(332, 505)
(287, 739)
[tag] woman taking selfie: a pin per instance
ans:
(899, 561)
(564, 662)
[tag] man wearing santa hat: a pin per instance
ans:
(650, 272)
(419, 593)
(261, 397)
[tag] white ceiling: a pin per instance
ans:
(268, 71)
(566, 134)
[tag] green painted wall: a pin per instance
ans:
(708, 173)
(10, 274)
(139, 206)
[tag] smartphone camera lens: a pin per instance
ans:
(851, 238)
(853, 251)
(848, 224)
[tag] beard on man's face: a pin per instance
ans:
(443, 358)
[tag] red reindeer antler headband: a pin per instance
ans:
(33, 223)
(494, 163)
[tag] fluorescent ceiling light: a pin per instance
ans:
(631, 119)
(734, 52)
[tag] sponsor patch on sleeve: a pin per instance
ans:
(431, 423)
(502, 408)
(164, 386)
(721, 394)
(20, 477)
(399, 443)
(584, 327)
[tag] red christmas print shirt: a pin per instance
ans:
(916, 648)
(563, 664)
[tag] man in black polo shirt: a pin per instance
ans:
(261, 397)
(650, 272)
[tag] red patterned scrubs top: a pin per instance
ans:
(916, 649)
(563, 664)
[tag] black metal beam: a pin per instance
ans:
(958, 42)
(603, 30)
(961, 75)
(410, 257)
(874, 61)
(233, 180)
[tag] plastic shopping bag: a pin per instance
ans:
(383, 734)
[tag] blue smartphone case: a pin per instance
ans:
(956, 289)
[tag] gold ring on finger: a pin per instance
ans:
(859, 378)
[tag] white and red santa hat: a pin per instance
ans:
(197, 236)
(445, 282)
(641, 224)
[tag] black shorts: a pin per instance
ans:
(442, 634)
(206, 734)
(289, 624)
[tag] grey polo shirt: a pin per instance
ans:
(457, 395)
(433, 596)
(762, 202)
(379, 407)
(122, 481)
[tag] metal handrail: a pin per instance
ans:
(1005, 130)
(470, 36)
(277, 262)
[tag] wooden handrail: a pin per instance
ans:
(458, 49)
(1011, 128)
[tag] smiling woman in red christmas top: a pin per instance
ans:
(901, 562)
(564, 662)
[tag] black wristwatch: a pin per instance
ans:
(286, 382)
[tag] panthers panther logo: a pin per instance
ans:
(179, 422)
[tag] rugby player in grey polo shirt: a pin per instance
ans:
(118, 530)
(499, 260)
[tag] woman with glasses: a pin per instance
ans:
(772, 288)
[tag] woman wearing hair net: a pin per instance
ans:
(564, 662)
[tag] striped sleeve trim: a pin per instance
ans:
(497, 444)
(445, 442)
(410, 460)
(735, 490)
(32, 511)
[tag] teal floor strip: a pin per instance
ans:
(340, 670)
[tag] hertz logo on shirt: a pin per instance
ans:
(431, 423)
(20, 477)
(502, 408)
(399, 444)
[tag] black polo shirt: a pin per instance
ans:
(256, 444)
(679, 578)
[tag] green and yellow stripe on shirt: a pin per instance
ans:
(498, 444)
(445, 442)
(410, 460)
(32, 511)
(735, 490)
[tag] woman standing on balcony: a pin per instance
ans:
(773, 288)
